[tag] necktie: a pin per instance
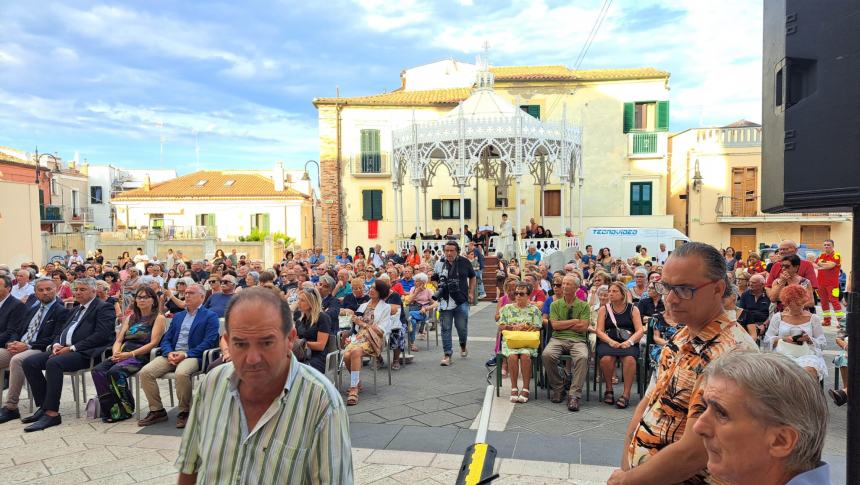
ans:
(67, 337)
(34, 326)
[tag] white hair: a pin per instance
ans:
(421, 277)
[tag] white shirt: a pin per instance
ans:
(22, 293)
(662, 256)
(68, 334)
(75, 259)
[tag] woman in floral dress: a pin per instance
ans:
(523, 316)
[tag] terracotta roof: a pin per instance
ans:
(453, 96)
(15, 156)
(246, 185)
(562, 73)
(742, 124)
(405, 98)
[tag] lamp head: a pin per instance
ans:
(306, 176)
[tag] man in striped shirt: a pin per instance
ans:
(265, 418)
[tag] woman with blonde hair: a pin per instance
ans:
(313, 328)
(619, 328)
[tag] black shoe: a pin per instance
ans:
(35, 417)
(7, 414)
(44, 422)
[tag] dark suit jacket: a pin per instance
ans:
(96, 330)
(202, 337)
(54, 320)
(10, 315)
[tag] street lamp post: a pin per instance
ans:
(37, 158)
(307, 178)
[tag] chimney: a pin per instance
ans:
(147, 186)
(73, 165)
(278, 176)
(85, 168)
(403, 80)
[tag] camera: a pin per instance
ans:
(448, 288)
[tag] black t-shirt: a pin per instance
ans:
(310, 333)
(331, 307)
(462, 270)
(350, 302)
(394, 299)
(171, 306)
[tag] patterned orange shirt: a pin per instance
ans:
(676, 394)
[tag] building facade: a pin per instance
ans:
(105, 181)
(225, 204)
(20, 211)
(715, 195)
(623, 114)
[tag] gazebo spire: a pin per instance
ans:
(485, 78)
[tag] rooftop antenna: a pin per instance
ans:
(160, 125)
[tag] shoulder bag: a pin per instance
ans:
(617, 334)
(794, 351)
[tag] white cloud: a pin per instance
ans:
(387, 16)
(65, 54)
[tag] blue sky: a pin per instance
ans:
(107, 80)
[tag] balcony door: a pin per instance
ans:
(744, 192)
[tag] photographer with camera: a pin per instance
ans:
(456, 291)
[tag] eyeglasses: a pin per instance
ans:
(556, 285)
(520, 293)
(143, 297)
(681, 291)
(226, 282)
(212, 282)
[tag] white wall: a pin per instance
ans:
(101, 176)
(232, 218)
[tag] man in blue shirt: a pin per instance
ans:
(317, 257)
(191, 333)
(217, 302)
(533, 254)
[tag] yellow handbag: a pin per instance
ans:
(519, 339)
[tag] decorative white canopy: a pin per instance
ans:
(488, 137)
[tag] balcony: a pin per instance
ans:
(51, 213)
(749, 136)
(78, 215)
(737, 215)
(370, 165)
(646, 145)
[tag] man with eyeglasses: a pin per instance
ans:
(217, 302)
(806, 270)
(662, 446)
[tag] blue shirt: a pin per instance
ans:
(533, 257)
(819, 475)
(406, 284)
(314, 259)
(185, 331)
(217, 303)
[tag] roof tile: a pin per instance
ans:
(246, 185)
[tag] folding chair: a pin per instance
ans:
(79, 379)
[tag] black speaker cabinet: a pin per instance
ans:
(811, 105)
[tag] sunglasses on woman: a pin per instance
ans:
(520, 293)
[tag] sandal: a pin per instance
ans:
(413, 348)
(839, 396)
(622, 402)
(395, 365)
(614, 380)
(609, 398)
(515, 395)
(352, 397)
(524, 395)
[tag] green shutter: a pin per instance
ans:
(265, 227)
(437, 209)
(629, 115)
(198, 220)
(662, 116)
(211, 220)
(467, 210)
(640, 198)
(370, 151)
(367, 205)
(376, 196)
(532, 109)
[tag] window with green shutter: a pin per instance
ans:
(450, 208)
(532, 109)
(647, 116)
(260, 222)
(371, 156)
(640, 198)
(371, 205)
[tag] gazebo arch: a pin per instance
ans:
(486, 135)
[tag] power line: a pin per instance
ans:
(591, 35)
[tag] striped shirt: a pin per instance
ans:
(302, 438)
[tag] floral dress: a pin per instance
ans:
(666, 332)
(111, 379)
(515, 315)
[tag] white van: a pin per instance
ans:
(622, 241)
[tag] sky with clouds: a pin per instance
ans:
(109, 80)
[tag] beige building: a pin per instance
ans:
(623, 114)
(224, 204)
(715, 194)
(19, 223)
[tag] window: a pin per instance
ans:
(200, 183)
(260, 222)
(55, 189)
(156, 221)
(813, 236)
(371, 205)
(96, 195)
(76, 204)
(229, 183)
(532, 109)
(646, 116)
(205, 220)
(744, 191)
(500, 197)
(552, 203)
(640, 198)
(450, 208)
(371, 158)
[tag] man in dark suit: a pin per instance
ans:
(26, 335)
(11, 310)
(86, 334)
(191, 333)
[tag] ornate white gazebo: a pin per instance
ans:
(487, 137)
